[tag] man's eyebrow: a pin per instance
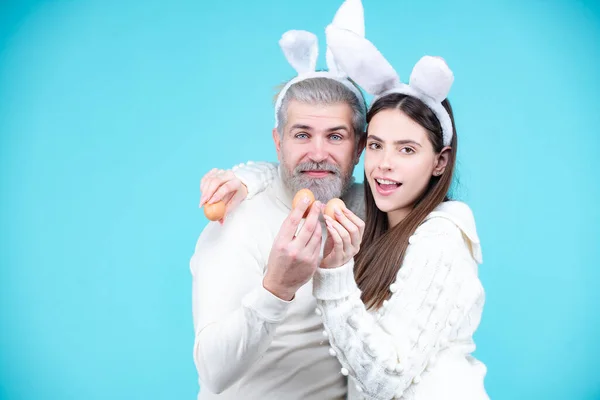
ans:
(339, 128)
(301, 126)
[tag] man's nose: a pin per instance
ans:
(318, 151)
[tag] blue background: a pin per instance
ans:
(110, 113)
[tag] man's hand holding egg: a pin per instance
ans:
(296, 251)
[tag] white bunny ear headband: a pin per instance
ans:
(301, 49)
(430, 80)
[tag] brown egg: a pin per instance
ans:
(302, 193)
(215, 211)
(335, 202)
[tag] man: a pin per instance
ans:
(257, 334)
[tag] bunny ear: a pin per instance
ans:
(332, 65)
(349, 16)
(361, 60)
(301, 49)
(432, 77)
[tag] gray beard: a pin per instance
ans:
(324, 189)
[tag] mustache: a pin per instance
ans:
(321, 166)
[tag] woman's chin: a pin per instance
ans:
(387, 205)
(384, 206)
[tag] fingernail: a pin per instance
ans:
(306, 200)
(337, 211)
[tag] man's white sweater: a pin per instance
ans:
(249, 344)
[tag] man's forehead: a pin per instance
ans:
(319, 116)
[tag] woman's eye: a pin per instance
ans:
(407, 150)
(374, 146)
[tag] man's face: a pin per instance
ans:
(317, 149)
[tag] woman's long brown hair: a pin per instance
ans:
(383, 249)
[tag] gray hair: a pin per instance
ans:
(324, 91)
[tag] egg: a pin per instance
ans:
(301, 194)
(335, 202)
(215, 211)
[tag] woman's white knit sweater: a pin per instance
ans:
(418, 345)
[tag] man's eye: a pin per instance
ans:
(336, 137)
(301, 136)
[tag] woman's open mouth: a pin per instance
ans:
(386, 187)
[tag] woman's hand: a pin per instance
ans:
(222, 185)
(344, 237)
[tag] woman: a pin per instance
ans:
(401, 313)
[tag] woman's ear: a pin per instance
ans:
(441, 161)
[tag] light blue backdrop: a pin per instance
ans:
(110, 112)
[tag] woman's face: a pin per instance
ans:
(399, 162)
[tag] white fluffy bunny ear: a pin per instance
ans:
(432, 77)
(332, 65)
(350, 16)
(361, 60)
(301, 49)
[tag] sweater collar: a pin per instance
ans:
(461, 215)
